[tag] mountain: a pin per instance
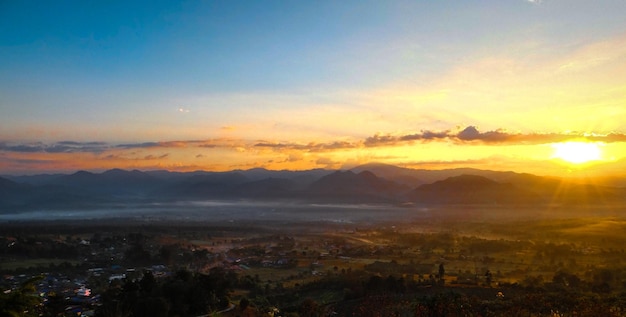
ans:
(214, 185)
(16, 197)
(36, 180)
(262, 173)
(352, 187)
(370, 183)
(6, 184)
(12, 194)
(253, 183)
(269, 188)
(471, 189)
(79, 179)
(400, 175)
(416, 177)
(112, 182)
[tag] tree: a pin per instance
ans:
(488, 278)
(22, 301)
(243, 303)
(308, 308)
(442, 273)
(147, 282)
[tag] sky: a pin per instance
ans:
(223, 85)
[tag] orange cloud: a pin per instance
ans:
(225, 154)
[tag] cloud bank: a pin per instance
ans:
(469, 135)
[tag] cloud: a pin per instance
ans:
(611, 137)
(27, 161)
(72, 147)
(471, 135)
(138, 145)
(22, 148)
(155, 157)
(58, 147)
(172, 144)
(295, 157)
(327, 163)
(310, 147)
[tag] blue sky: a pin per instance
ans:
(295, 71)
(224, 46)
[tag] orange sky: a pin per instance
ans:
(324, 85)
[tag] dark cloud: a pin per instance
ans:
(170, 144)
(274, 145)
(467, 135)
(424, 135)
(59, 147)
(26, 161)
(310, 147)
(22, 148)
(138, 145)
(74, 143)
(471, 134)
(99, 147)
(378, 140)
(155, 157)
(71, 147)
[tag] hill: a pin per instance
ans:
(371, 183)
(471, 189)
(352, 187)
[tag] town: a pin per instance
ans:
(192, 269)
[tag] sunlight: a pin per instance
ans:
(577, 152)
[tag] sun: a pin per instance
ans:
(577, 152)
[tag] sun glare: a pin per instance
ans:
(577, 152)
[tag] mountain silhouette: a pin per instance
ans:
(353, 187)
(382, 184)
(112, 182)
(471, 189)
(269, 188)
(6, 184)
(205, 186)
(13, 195)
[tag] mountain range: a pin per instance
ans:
(370, 183)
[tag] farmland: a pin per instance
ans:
(499, 258)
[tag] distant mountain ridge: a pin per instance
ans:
(350, 187)
(472, 189)
(370, 183)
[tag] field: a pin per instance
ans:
(340, 259)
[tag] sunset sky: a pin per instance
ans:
(222, 85)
